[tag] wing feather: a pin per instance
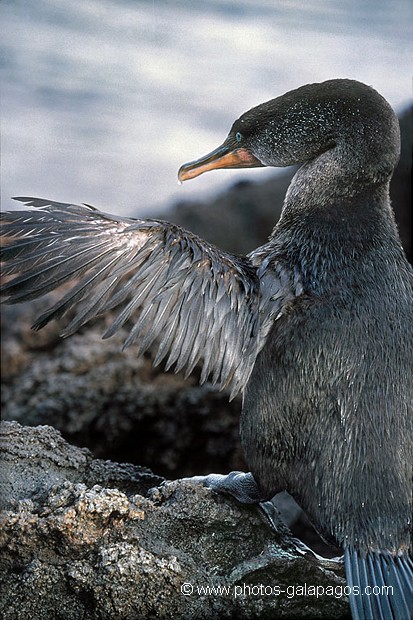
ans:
(198, 303)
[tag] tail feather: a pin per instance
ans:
(381, 585)
(383, 610)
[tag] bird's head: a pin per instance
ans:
(304, 123)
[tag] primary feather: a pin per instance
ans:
(197, 302)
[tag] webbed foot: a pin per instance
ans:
(238, 484)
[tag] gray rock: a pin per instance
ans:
(112, 402)
(85, 539)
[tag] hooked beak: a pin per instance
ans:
(225, 156)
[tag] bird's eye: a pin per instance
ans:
(238, 136)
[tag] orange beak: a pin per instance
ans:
(225, 156)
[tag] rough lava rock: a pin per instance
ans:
(86, 539)
(112, 402)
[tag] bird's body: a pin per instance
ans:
(333, 385)
(315, 328)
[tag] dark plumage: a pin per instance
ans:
(315, 327)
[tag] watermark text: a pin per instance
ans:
(290, 592)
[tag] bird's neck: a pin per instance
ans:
(334, 218)
(343, 175)
(338, 191)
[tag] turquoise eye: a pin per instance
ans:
(238, 136)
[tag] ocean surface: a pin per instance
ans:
(103, 100)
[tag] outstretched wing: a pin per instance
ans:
(199, 303)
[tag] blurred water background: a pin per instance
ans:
(102, 100)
